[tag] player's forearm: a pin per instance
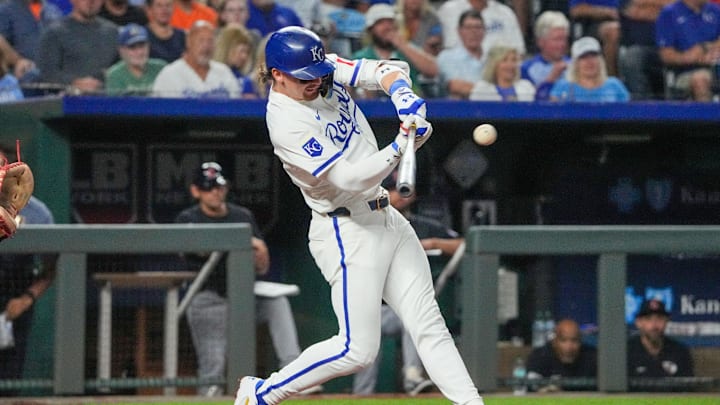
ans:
(421, 60)
(594, 12)
(460, 88)
(11, 56)
(362, 175)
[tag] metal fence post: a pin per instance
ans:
(612, 336)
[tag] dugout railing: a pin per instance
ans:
(485, 245)
(73, 243)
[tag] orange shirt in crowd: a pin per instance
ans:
(183, 20)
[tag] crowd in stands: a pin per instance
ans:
(555, 50)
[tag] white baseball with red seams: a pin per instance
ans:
(367, 256)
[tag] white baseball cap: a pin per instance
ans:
(584, 46)
(378, 12)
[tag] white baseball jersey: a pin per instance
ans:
(367, 254)
(309, 137)
(179, 80)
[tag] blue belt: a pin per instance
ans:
(376, 204)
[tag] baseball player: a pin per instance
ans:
(365, 249)
(207, 311)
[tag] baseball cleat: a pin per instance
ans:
(416, 387)
(246, 393)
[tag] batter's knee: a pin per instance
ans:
(361, 357)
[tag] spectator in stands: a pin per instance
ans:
(598, 19)
(501, 24)
(78, 49)
(9, 85)
(461, 66)
(688, 36)
(136, 72)
(348, 25)
(166, 42)
(121, 12)
(552, 29)
(266, 17)
(308, 10)
(650, 352)
(501, 78)
(21, 23)
(386, 42)
(563, 356)
(195, 74)
(187, 12)
(235, 48)
(233, 12)
(433, 234)
(418, 22)
(207, 312)
(586, 78)
(23, 280)
(639, 63)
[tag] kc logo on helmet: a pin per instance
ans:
(318, 54)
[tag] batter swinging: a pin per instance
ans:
(366, 250)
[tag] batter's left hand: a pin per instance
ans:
(407, 102)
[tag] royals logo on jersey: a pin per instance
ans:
(313, 148)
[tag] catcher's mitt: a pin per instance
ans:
(16, 187)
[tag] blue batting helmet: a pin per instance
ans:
(298, 52)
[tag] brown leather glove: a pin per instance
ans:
(16, 187)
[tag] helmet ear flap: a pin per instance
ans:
(326, 85)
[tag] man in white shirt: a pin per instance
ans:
(195, 74)
(501, 23)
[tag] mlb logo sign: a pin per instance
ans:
(313, 148)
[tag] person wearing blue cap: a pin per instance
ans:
(136, 72)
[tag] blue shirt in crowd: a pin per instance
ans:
(10, 89)
(613, 90)
(536, 70)
(681, 28)
(278, 17)
(20, 28)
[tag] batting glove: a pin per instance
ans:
(406, 101)
(401, 140)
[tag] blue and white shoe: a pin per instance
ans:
(247, 392)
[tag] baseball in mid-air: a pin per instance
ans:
(484, 134)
